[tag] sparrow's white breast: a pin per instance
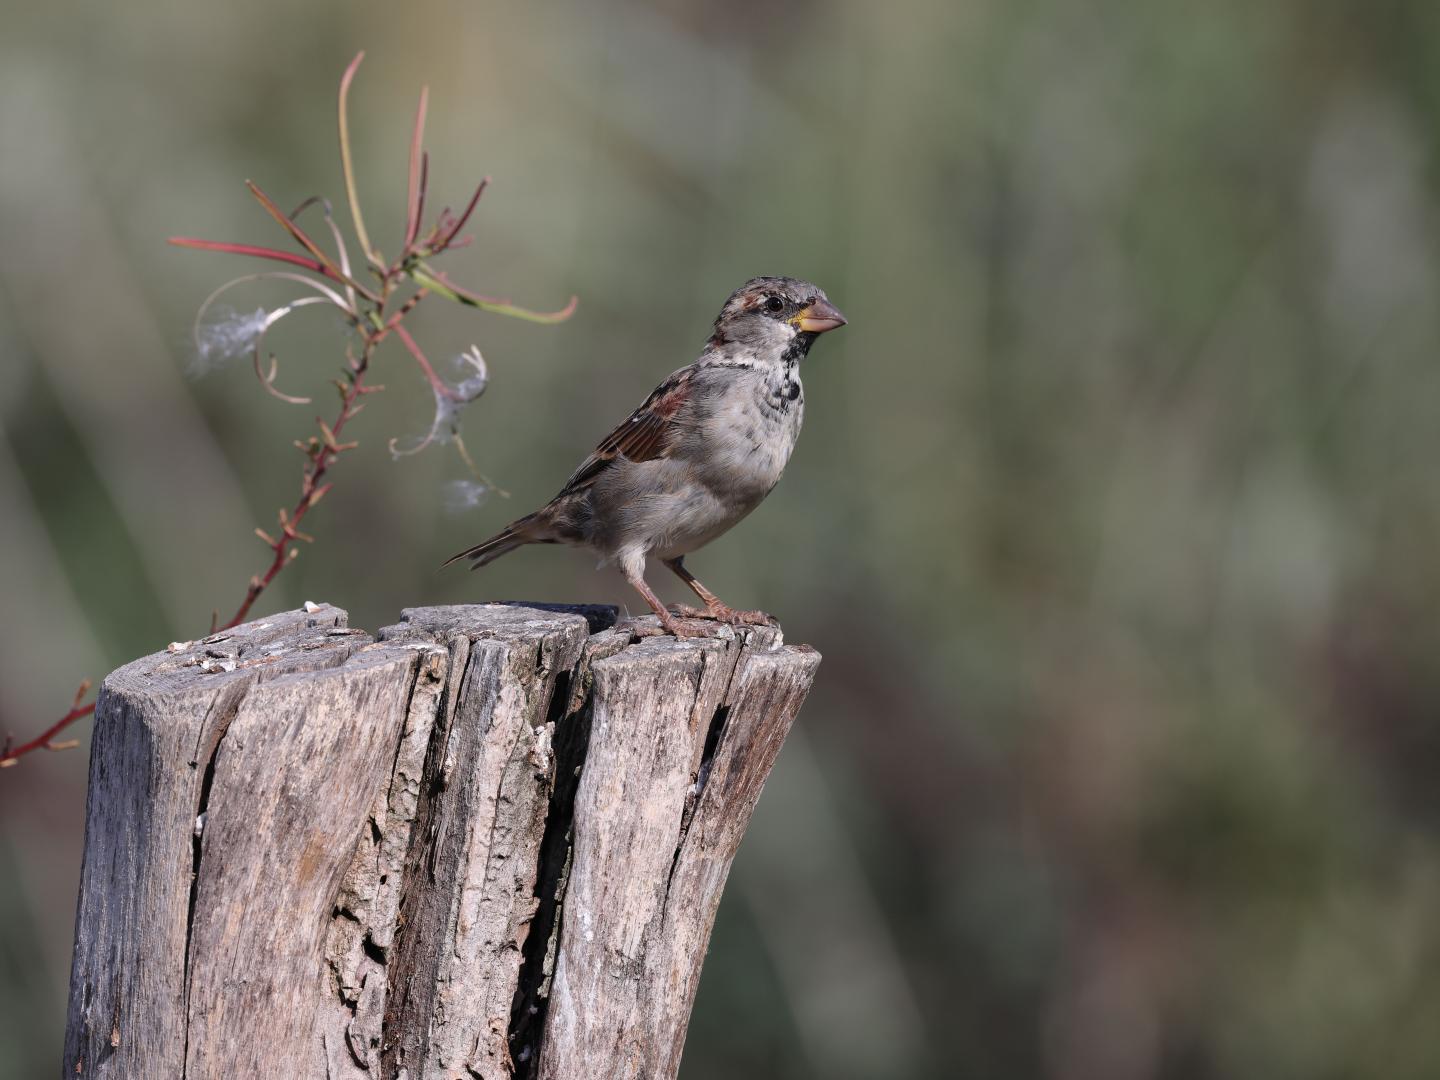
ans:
(733, 447)
(745, 441)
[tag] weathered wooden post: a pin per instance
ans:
(490, 843)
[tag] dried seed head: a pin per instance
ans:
(229, 334)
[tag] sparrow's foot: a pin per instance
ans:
(726, 614)
(668, 625)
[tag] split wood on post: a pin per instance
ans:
(490, 843)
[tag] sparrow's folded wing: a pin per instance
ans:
(651, 431)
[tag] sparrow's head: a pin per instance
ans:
(775, 318)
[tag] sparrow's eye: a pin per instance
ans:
(774, 305)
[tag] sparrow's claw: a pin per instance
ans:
(746, 618)
(668, 625)
(682, 631)
(726, 614)
(638, 629)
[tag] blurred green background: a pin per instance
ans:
(1115, 517)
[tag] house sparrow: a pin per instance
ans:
(702, 451)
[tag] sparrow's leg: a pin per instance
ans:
(715, 608)
(633, 567)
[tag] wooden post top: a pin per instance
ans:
(491, 837)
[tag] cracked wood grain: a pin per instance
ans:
(489, 844)
(470, 885)
(683, 736)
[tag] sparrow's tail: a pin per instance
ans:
(528, 530)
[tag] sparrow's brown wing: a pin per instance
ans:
(651, 431)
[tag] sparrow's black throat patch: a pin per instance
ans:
(798, 347)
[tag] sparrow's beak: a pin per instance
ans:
(819, 317)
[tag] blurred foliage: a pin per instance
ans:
(1114, 516)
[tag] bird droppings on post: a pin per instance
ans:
(540, 754)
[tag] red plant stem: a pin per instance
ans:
(405, 309)
(416, 199)
(329, 268)
(436, 383)
(420, 202)
(332, 272)
(449, 236)
(8, 756)
(311, 488)
(322, 454)
(251, 249)
(310, 485)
